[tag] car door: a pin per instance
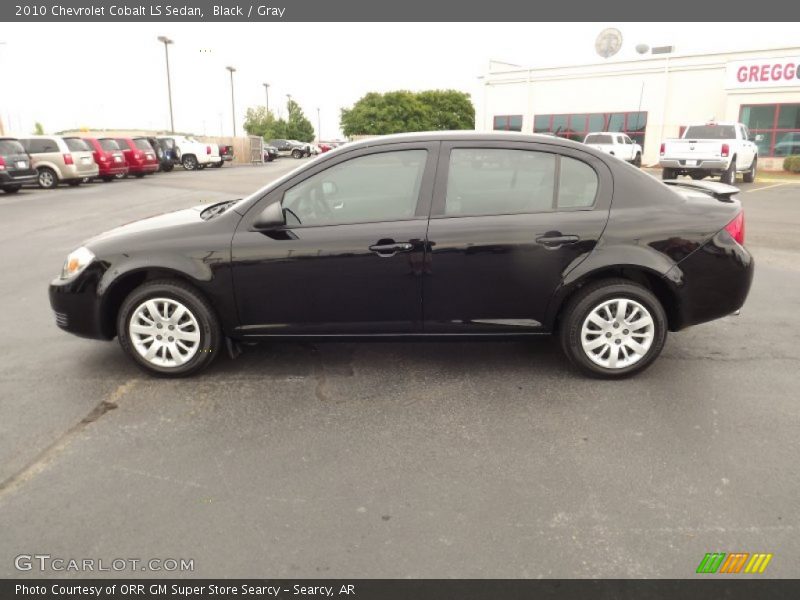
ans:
(748, 148)
(509, 220)
(349, 259)
(629, 148)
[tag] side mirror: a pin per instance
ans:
(271, 216)
(329, 188)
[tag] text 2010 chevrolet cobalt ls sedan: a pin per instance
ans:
(422, 235)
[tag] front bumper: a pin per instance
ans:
(76, 304)
(701, 164)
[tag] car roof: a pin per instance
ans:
(477, 136)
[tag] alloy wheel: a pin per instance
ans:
(617, 333)
(164, 332)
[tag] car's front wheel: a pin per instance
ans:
(168, 329)
(613, 328)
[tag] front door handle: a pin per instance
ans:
(556, 241)
(390, 249)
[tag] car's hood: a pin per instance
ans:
(156, 225)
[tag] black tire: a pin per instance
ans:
(218, 165)
(207, 321)
(297, 153)
(270, 158)
(668, 173)
(637, 161)
(107, 178)
(189, 162)
(750, 175)
(698, 176)
(168, 167)
(47, 179)
(12, 189)
(586, 300)
(138, 175)
(729, 175)
(74, 182)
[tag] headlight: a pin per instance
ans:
(76, 262)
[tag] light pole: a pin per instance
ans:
(266, 92)
(233, 106)
(166, 41)
(319, 128)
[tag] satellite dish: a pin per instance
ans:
(642, 48)
(608, 42)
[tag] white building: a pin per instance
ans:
(652, 98)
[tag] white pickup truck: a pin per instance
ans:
(723, 149)
(616, 144)
(194, 154)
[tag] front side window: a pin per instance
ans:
(378, 187)
(490, 181)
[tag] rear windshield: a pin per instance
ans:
(599, 138)
(109, 145)
(710, 132)
(142, 144)
(77, 145)
(11, 147)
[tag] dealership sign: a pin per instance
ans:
(765, 72)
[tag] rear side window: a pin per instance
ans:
(142, 144)
(109, 145)
(77, 145)
(598, 138)
(41, 146)
(11, 147)
(490, 181)
(577, 184)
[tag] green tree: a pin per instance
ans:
(298, 127)
(38, 128)
(261, 122)
(399, 111)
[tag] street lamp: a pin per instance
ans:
(166, 41)
(233, 106)
(266, 91)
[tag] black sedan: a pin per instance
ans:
(425, 236)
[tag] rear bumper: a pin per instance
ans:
(113, 169)
(702, 164)
(143, 168)
(79, 172)
(17, 176)
(713, 281)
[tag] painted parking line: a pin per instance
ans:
(767, 187)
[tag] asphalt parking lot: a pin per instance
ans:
(393, 459)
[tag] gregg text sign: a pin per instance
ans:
(761, 73)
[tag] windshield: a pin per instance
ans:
(598, 138)
(710, 132)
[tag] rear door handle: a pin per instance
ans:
(391, 249)
(556, 241)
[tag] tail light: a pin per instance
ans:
(736, 228)
(208, 149)
(726, 149)
(2, 163)
(68, 159)
(663, 148)
(137, 155)
(103, 158)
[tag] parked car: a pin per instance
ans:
(164, 150)
(788, 144)
(324, 147)
(139, 155)
(15, 166)
(194, 154)
(270, 153)
(712, 148)
(226, 153)
(616, 144)
(289, 148)
(60, 159)
(458, 234)
(109, 158)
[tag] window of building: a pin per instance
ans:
(775, 127)
(508, 123)
(577, 126)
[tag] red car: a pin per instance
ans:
(324, 147)
(139, 155)
(109, 158)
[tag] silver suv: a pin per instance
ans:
(60, 159)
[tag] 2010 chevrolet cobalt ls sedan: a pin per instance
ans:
(428, 236)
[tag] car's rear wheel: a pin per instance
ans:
(107, 178)
(698, 176)
(12, 189)
(138, 175)
(74, 182)
(750, 175)
(47, 178)
(613, 328)
(168, 329)
(218, 165)
(297, 153)
(637, 161)
(189, 162)
(668, 173)
(729, 175)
